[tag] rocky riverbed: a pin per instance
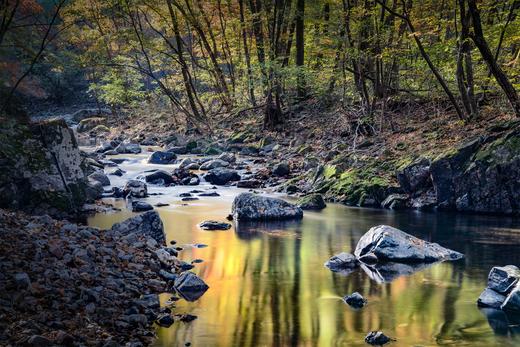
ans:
(71, 285)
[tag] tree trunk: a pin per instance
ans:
(300, 47)
(250, 85)
(487, 55)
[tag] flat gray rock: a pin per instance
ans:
(249, 206)
(490, 298)
(341, 262)
(385, 243)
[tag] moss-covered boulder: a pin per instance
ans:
(481, 176)
(312, 202)
(42, 168)
(88, 124)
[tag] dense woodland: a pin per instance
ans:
(201, 59)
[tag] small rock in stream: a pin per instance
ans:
(355, 300)
(377, 338)
(214, 225)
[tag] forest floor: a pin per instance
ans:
(331, 134)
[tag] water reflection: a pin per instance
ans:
(268, 285)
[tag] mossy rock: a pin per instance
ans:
(191, 145)
(312, 202)
(239, 137)
(88, 124)
(212, 151)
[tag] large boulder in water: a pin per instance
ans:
(162, 158)
(384, 243)
(147, 223)
(221, 176)
(248, 206)
(101, 177)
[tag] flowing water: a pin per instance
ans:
(268, 285)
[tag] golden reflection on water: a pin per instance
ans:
(268, 285)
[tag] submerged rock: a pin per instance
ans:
(355, 300)
(214, 225)
(389, 271)
(341, 262)
(190, 286)
(249, 206)
(312, 202)
(384, 243)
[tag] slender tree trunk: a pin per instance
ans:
(427, 59)
(250, 84)
(487, 55)
(300, 47)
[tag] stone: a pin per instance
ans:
(341, 262)
(395, 202)
(94, 190)
(390, 244)
(141, 206)
(89, 124)
(221, 176)
(503, 279)
(116, 172)
(165, 320)
(228, 157)
(159, 177)
(186, 162)
(100, 177)
(177, 150)
(355, 300)
(312, 202)
(281, 169)
(213, 164)
(490, 298)
(22, 280)
(415, 177)
(39, 341)
(512, 302)
(214, 225)
(377, 338)
(128, 148)
(148, 223)
(190, 286)
(249, 184)
(162, 158)
(42, 167)
(249, 206)
(210, 194)
(136, 188)
(390, 271)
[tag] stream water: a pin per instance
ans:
(268, 285)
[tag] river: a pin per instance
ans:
(268, 285)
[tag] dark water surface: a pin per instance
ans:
(268, 285)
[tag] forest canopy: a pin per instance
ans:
(203, 58)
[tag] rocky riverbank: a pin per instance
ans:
(71, 285)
